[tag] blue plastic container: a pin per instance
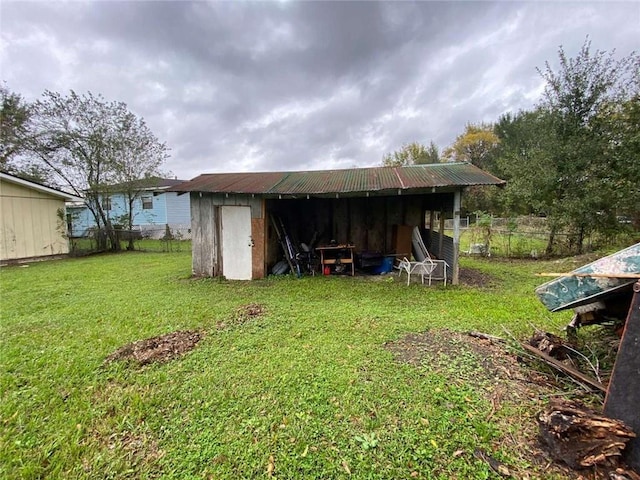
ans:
(386, 266)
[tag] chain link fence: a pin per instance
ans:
(147, 239)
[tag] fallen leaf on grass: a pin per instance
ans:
(271, 466)
(345, 465)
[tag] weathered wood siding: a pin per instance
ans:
(377, 233)
(204, 236)
(367, 222)
(205, 231)
(258, 264)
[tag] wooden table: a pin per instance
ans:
(333, 255)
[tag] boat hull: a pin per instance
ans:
(573, 291)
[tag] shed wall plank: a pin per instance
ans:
(377, 241)
(204, 235)
(357, 222)
(258, 249)
(340, 226)
(413, 212)
(394, 214)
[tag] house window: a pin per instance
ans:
(147, 202)
(106, 203)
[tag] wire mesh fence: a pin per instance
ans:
(529, 237)
(161, 239)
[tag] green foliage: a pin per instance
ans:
(526, 163)
(584, 85)
(87, 144)
(306, 388)
(618, 125)
(14, 118)
(15, 122)
(412, 154)
(573, 159)
(484, 226)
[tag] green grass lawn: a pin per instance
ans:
(304, 391)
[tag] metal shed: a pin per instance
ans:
(365, 207)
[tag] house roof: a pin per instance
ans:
(414, 178)
(38, 187)
(152, 183)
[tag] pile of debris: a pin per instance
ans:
(157, 349)
(607, 290)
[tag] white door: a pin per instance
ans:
(236, 242)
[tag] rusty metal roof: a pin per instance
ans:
(348, 181)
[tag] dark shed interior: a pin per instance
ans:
(369, 223)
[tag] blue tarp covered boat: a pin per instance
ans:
(577, 288)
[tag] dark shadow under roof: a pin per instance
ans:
(347, 181)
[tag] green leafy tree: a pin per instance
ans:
(433, 154)
(15, 114)
(88, 144)
(619, 126)
(15, 122)
(574, 158)
(412, 154)
(579, 97)
(526, 161)
(137, 164)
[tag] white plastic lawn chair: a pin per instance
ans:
(424, 268)
(426, 265)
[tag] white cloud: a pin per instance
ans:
(233, 86)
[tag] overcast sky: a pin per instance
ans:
(260, 86)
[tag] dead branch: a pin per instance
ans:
(486, 336)
(572, 372)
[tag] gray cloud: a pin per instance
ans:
(301, 85)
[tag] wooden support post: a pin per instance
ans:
(441, 236)
(456, 236)
(431, 234)
(623, 395)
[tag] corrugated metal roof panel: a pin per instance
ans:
(231, 182)
(353, 180)
(326, 181)
(444, 175)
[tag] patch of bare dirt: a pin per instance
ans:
(250, 311)
(162, 348)
(436, 346)
(243, 314)
(475, 278)
(515, 392)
